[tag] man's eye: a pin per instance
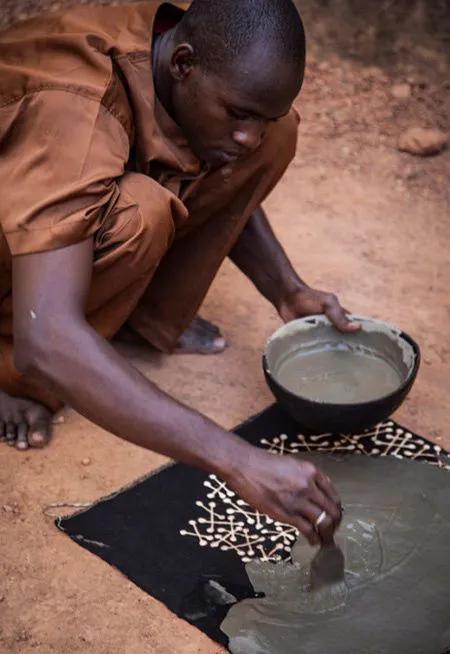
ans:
(238, 115)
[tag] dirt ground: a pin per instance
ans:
(357, 217)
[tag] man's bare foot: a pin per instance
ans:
(24, 423)
(201, 337)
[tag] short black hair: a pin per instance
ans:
(222, 31)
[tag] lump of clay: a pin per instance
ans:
(422, 141)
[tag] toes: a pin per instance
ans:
(218, 345)
(202, 337)
(39, 437)
(10, 432)
(22, 433)
(25, 423)
(191, 344)
(205, 326)
(39, 430)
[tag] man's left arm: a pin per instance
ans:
(260, 256)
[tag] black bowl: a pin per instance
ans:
(318, 417)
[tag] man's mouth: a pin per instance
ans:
(223, 156)
(229, 156)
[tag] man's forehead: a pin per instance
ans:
(270, 101)
(262, 83)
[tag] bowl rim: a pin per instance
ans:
(340, 405)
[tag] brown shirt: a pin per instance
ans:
(76, 101)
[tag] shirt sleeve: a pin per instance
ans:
(60, 156)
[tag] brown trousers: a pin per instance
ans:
(150, 273)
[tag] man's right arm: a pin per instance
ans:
(55, 345)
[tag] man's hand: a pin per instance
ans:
(306, 301)
(290, 490)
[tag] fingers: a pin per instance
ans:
(320, 514)
(322, 522)
(326, 531)
(306, 528)
(338, 316)
(319, 495)
(325, 484)
(323, 503)
(326, 498)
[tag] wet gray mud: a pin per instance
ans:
(394, 594)
(338, 374)
(312, 359)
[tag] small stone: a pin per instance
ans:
(401, 91)
(86, 462)
(409, 172)
(321, 173)
(11, 508)
(23, 636)
(58, 420)
(373, 73)
(422, 141)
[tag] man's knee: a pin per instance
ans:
(148, 226)
(140, 225)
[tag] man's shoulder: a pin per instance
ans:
(72, 49)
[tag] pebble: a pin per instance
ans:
(408, 172)
(324, 66)
(7, 508)
(401, 91)
(422, 141)
(86, 462)
(321, 173)
(58, 420)
(372, 72)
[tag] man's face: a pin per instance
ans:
(224, 116)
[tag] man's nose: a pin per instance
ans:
(250, 136)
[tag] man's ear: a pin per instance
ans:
(182, 61)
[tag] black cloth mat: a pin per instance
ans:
(182, 536)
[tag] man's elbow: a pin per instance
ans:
(45, 350)
(36, 347)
